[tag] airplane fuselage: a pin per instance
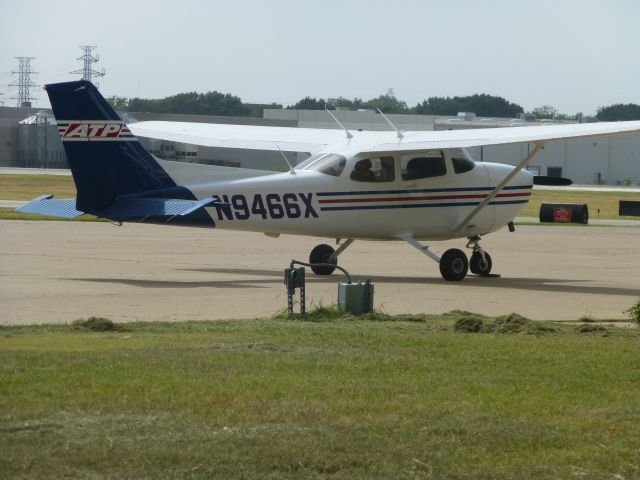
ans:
(309, 202)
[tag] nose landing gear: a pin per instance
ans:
(480, 262)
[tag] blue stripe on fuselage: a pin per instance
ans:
(423, 190)
(420, 205)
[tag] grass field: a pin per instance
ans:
(606, 202)
(27, 187)
(395, 397)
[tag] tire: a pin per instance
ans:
(321, 254)
(477, 266)
(454, 265)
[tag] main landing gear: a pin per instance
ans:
(323, 258)
(454, 264)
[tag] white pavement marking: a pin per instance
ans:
(34, 171)
(590, 188)
(12, 203)
(602, 223)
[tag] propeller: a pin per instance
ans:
(551, 181)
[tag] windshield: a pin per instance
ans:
(462, 161)
(327, 163)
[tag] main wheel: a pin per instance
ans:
(479, 266)
(321, 254)
(454, 265)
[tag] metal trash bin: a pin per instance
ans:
(564, 213)
(356, 298)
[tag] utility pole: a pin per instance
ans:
(88, 59)
(24, 82)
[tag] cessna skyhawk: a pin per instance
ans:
(410, 186)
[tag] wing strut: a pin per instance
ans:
(501, 185)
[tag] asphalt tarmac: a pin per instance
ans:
(53, 272)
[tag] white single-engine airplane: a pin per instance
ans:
(410, 186)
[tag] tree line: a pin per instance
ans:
(483, 105)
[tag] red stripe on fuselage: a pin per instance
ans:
(425, 197)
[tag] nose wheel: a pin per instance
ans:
(480, 262)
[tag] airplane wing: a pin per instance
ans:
(311, 140)
(248, 137)
(501, 136)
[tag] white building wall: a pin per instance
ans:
(625, 159)
(612, 160)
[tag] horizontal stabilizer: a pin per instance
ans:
(153, 207)
(120, 209)
(47, 205)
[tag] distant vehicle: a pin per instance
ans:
(409, 186)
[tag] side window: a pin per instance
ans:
(428, 164)
(379, 169)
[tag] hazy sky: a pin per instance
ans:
(574, 55)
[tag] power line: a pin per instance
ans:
(88, 59)
(24, 82)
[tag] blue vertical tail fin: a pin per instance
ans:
(106, 159)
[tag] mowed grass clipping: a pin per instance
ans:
(393, 397)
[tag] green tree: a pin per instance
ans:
(388, 104)
(345, 103)
(210, 103)
(309, 103)
(619, 111)
(481, 104)
(120, 104)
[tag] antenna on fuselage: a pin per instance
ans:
(349, 134)
(291, 170)
(398, 132)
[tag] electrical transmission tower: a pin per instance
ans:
(24, 82)
(87, 71)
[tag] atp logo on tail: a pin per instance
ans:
(94, 130)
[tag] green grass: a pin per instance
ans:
(607, 202)
(336, 397)
(28, 187)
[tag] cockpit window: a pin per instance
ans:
(462, 161)
(462, 165)
(327, 163)
(378, 169)
(426, 165)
